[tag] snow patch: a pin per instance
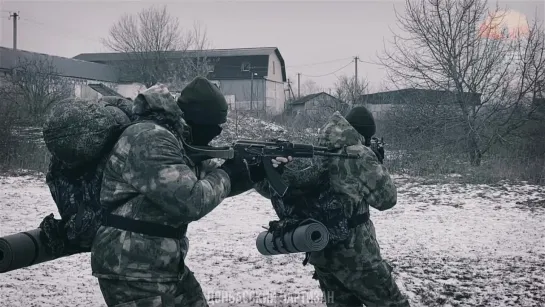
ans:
(449, 244)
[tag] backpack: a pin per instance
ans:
(79, 134)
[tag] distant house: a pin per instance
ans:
(83, 75)
(380, 103)
(248, 77)
(317, 103)
(314, 109)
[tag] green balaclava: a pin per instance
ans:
(205, 109)
(363, 121)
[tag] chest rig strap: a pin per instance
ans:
(143, 227)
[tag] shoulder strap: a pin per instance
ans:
(358, 219)
(143, 227)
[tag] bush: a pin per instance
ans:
(441, 153)
(7, 123)
(21, 146)
(246, 126)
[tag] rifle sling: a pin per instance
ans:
(144, 227)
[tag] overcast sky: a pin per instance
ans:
(315, 38)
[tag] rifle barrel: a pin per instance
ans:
(253, 142)
(332, 154)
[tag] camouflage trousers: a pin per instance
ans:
(185, 292)
(353, 273)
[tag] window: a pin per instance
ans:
(245, 66)
(274, 68)
(210, 67)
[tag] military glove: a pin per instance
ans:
(378, 149)
(257, 172)
(279, 229)
(236, 168)
(239, 169)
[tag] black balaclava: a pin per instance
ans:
(362, 120)
(205, 109)
(202, 134)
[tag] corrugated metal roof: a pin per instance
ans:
(103, 89)
(117, 56)
(306, 98)
(109, 57)
(65, 66)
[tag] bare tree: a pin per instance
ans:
(156, 49)
(348, 90)
(446, 47)
(316, 112)
(33, 85)
(195, 62)
(309, 86)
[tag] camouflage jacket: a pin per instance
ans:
(332, 190)
(148, 177)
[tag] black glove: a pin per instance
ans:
(235, 168)
(257, 172)
(279, 228)
(378, 149)
(239, 169)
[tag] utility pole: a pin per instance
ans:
(251, 89)
(356, 73)
(289, 86)
(298, 85)
(291, 89)
(15, 17)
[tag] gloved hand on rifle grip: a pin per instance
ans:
(257, 170)
(239, 169)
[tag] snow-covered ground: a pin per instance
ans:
(450, 245)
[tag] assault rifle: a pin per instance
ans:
(255, 152)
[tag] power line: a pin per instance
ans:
(291, 66)
(367, 62)
(79, 36)
(75, 35)
(319, 63)
(350, 63)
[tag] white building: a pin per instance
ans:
(251, 78)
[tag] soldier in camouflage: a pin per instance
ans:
(338, 192)
(152, 190)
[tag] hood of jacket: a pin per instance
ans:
(157, 103)
(338, 133)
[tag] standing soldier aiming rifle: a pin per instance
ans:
(338, 193)
(152, 190)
